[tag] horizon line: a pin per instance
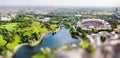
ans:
(64, 6)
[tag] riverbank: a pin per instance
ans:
(53, 42)
(33, 44)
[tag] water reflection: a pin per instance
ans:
(61, 38)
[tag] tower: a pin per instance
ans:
(0, 16)
(117, 13)
(116, 10)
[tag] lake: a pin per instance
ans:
(61, 38)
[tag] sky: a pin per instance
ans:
(81, 3)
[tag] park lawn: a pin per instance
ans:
(16, 41)
(53, 27)
(28, 33)
(85, 44)
(36, 28)
(10, 27)
(43, 30)
(39, 56)
(55, 21)
(2, 41)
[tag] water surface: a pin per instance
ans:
(61, 38)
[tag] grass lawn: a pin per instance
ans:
(10, 26)
(2, 41)
(53, 27)
(36, 28)
(14, 43)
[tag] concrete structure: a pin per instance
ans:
(117, 11)
(5, 18)
(44, 19)
(89, 24)
(95, 39)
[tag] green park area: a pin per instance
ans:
(2, 41)
(15, 42)
(9, 26)
(31, 33)
(36, 28)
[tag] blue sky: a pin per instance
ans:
(82, 3)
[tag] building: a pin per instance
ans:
(89, 24)
(5, 18)
(45, 19)
(117, 11)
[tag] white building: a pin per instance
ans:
(5, 18)
(44, 19)
(78, 15)
(95, 39)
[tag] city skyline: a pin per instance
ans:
(78, 3)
